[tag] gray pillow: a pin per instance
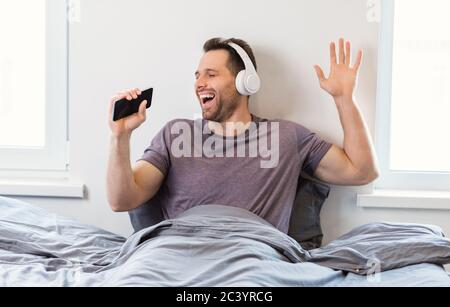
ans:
(304, 226)
(380, 247)
(148, 214)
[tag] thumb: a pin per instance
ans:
(319, 73)
(143, 108)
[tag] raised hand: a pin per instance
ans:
(343, 77)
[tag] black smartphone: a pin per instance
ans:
(124, 108)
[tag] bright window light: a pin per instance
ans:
(22, 73)
(420, 121)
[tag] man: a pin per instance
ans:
(269, 192)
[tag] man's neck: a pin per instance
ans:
(238, 122)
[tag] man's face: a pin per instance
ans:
(215, 86)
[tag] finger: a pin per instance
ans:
(143, 108)
(133, 93)
(116, 98)
(319, 73)
(137, 92)
(348, 54)
(341, 51)
(127, 95)
(112, 104)
(124, 95)
(120, 95)
(358, 61)
(333, 53)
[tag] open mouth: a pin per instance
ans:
(207, 99)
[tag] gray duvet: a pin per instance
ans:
(211, 246)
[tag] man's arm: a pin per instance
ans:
(356, 163)
(127, 187)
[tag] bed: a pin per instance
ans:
(212, 246)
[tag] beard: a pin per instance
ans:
(223, 109)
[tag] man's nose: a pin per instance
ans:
(200, 83)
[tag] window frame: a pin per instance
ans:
(54, 156)
(391, 179)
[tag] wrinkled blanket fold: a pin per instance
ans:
(211, 246)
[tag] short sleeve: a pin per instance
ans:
(158, 152)
(311, 148)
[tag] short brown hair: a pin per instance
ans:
(235, 62)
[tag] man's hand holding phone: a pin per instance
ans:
(129, 186)
(125, 126)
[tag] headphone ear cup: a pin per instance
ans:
(252, 83)
(240, 83)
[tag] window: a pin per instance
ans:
(413, 106)
(33, 85)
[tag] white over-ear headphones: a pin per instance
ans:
(247, 81)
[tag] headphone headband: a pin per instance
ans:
(247, 81)
(244, 56)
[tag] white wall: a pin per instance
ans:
(126, 43)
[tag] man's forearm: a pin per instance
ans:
(120, 181)
(358, 144)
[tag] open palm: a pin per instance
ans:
(343, 77)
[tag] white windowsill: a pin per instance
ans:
(404, 199)
(41, 188)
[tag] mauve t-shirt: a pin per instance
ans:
(205, 177)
